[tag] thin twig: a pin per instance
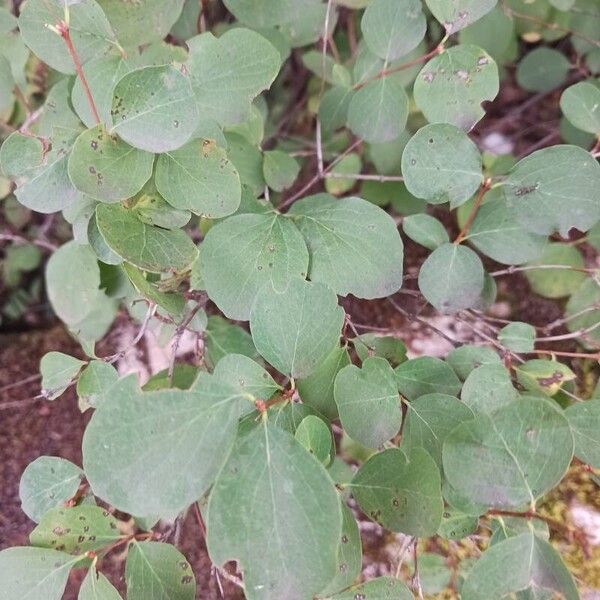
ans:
(177, 340)
(485, 186)
(63, 30)
(411, 63)
(365, 177)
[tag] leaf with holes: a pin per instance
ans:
(555, 189)
(451, 87)
(458, 14)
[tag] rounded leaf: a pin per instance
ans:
(368, 402)
(441, 164)
(199, 177)
(451, 87)
(246, 251)
(297, 328)
(392, 28)
(451, 278)
(354, 246)
(154, 109)
(511, 458)
(106, 168)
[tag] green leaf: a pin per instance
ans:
(316, 390)
(315, 436)
(368, 402)
(542, 70)
(90, 31)
(441, 164)
(173, 303)
(96, 586)
(199, 177)
(583, 419)
(546, 376)
(58, 371)
(157, 571)
(350, 165)
(451, 87)
(228, 72)
(151, 208)
(354, 246)
(392, 28)
(76, 530)
(349, 555)
(150, 248)
(153, 109)
(425, 230)
(518, 337)
(488, 388)
(246, 251)
(429, 420)
(94, 380)
(222, 337)
(101, 74)
(426, 375)
(296, 328)
(533, 564)
(46, 483)
(512, 458)
(197, 427)
(401, 492)
(267, 13)
(451, 278)
(495, 33)
(333, 108)
(41, 176)
(280, 170)
(498, 233)
(248, 160)
(456, 15)
(380, 588)
(580, 103)
(34, 573)
(586, 298)
(97, 243)
(293, 499)
(456, 525)
(20, 154)
(540, 185)
(378, 111)
(137, 23)
(556, 283)
(386, 346)
(106, 168)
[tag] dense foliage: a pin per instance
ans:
(192, 207)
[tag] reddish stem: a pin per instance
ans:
(65, 34)
(485, 186)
